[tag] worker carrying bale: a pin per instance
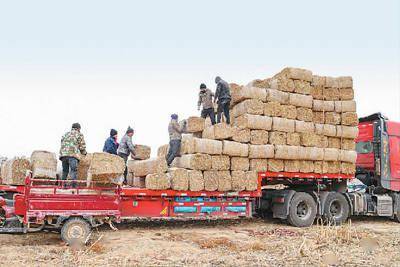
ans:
(175, 131)
(126, 148)
(72, 147)
(111, 144)
(206, 99)
(223, 98)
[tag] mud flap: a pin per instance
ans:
(281, 202)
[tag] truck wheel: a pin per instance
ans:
(336, 209)
(302, 210)
(75, 231)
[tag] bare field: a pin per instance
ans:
(363, 241)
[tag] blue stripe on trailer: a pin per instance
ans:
(210, 209)
(236, 209)
(185, 209)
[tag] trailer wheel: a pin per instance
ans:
(302, 210)
(75, 231)
(336, 209)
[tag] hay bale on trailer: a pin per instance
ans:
(14, 171)
(44, 164)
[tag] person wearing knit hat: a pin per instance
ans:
(126, 148)
(111, 144)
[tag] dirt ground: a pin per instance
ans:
(363, 241)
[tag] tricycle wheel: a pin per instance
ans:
(75, 231)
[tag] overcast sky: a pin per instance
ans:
(110, 64)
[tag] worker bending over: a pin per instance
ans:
(111, 144)
(223, 98)
(72, 148)
(126, 148)
(175, 131)
(206, 99)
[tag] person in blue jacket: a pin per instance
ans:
(111, 144)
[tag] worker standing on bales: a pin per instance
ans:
(72, 148)
(111, 144)
(223, 98)
(126, 148)
(206, 99)
(175, 131)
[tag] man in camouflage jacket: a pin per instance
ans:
(72, 148)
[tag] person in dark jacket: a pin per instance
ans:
(111, 144)
(175, 131)
(126, 148)
(223, 98)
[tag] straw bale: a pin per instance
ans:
(142, 152)
(158, 181)
(235, 93)
(311, 153)
(273, 109)
(349, 119)
(238, 181)
(196, 180)
(249, 106)
(331, 154)
(347, 132)
(334, 142)
(292, 165)
(346, 93)
(332, 118)
(259, 137)
(211, 180)
(250, 92)
(241, 135)
(194, 162)
(348, 168)
(348, 144)
(304, 127)
(218, 131)
(349, 156)
(277, 138)
(288, 112)
(306, 166)
(231, 148)
(293, 139)
(318, 167)
(331, 167)
(220, 163)
(83, 166)
(321, 105)
(317, 92)
(287, 152)
(261, 151)
(198, 145)
(318, 80)
(283, 125)
(274, 95)
(251, 180)
(106, 168)
(162, 151)
(179, 179)
(331, 94)
(302, 87)
(259, 165)
(148, 166)
(282, 84)
(325, 129)
(331, 82)
(254, 122)
(195, 124)
(310, 139)
(224, 181)
(14, 171)
(345, 106)
(139, 182)
(208, 132)
(297, 74)
(324, 142)
(187, 144)
(240, 164)
(259, 83)
(318, 117)
(304, 114)
(276, 165)
(44, 164)
(345, 82)
(298, 100)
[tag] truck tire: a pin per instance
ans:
(302, 210)
(75, 231)
(336, 209)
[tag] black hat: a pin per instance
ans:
(113, 132)
(76, 126)
(129, 130)
(217, 79)
(174, 116)
(203, 86)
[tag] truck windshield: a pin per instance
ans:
(364, 147)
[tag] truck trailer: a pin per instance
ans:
(298, 198)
